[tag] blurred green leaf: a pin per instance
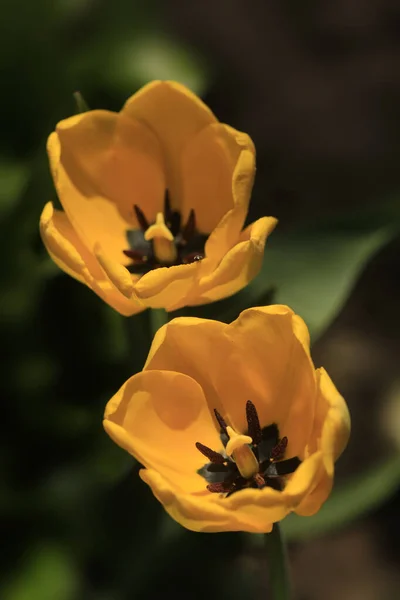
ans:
(313, 271)
(348, 502)
(159, 57)
(135, 62)
(48, 574)
(13, 178)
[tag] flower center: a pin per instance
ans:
(254, 459)
(165, 242)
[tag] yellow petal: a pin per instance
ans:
(208, 165)
(65, 247)
(257, 358)
(238, 267)
(175, 115)
(158, 416)
(208, 512)
(226, 233)
(336, 427)
(168, 287)
(102, 164)
(116, 272)
(250, 510)
(315, 499)
(330, 435)
(72, 256)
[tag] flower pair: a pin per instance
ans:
(233, 424)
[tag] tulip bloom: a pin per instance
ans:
(155, 198)
(234, 425)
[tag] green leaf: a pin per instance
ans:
(348, 502)
(313, 271)
(13, 176)
(155, 56)
(48, 574)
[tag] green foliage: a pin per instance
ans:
(313, 270)
(48, 573)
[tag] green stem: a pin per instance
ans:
(158, 318)
(278, 564)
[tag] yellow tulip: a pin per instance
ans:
(155, 199)
(234, 425)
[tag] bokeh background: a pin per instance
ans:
(317, 86)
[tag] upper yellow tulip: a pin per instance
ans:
(234, 425)
(155, 199)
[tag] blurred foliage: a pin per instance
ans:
(77, 520)
(313, 270)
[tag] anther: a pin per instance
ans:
(279, 450)
(221, 421)
(135, 255)
(143, 222)
(214, 457)
(253, 422)
(190, 226)
(220, 488)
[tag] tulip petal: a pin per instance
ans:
(238, 267)
(227, 231)
(168, 287)
(209, 165)
(336, 427)
(256, 357)
(68, 252)
(158, 416)
(175, 115)
(65, 247)
(103, 163)
(116, 272)
(330, 434)
(208, 512)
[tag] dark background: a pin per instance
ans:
(317, 86)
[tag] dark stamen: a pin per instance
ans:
(143, 222)
(172, 217)
(167, 206)
(190, 226)
(253, 422)
(212, 456)
(288, 466)
(220, 488)
(221, 421)
(222, 473)
(279, 450)
(135, 255)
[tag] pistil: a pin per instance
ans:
(163, 241)
(239, 449)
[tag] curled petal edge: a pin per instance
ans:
(70, 254)
(250, 510)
